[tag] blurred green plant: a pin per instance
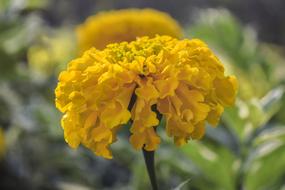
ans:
(239, 49)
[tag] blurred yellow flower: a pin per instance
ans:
(182, 80)
(124, 25)
(2, 144)
(51, 53)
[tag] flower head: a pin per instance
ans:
(181, 80)
(124, 25)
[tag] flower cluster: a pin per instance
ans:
(182, 80)
(124, 25)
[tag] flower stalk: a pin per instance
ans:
(149, 157)
(149, 162)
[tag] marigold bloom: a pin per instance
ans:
(180, 79)
(124, 25)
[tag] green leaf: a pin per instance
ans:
(248, 116)
(276, 132)
(234, 119)
(214, 162)
(7, 65)
(271, 103)
(179, 187)
(265, 168)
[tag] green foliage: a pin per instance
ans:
(239, 50)
(267, 160)
(216, 159)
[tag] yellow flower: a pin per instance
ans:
(2, 144)
(51, 53)
(182, 80)
(124, 25)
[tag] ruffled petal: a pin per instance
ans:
(148, 139)
(225, 90)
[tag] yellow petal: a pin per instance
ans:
(72, 139)
(101, 149)
(78, 102)
(152, 141)
(215, 114)
(101, 133)
(193, 100)
(90, 122)
(114, 114)
(147, 90)
(199, 131)
(226, 89)
(166, 87)
(143, 119)
(179, 141)
(147, 140)
(137, 140)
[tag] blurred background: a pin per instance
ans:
(245, 152)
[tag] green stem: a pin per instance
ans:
(149, 162)
(244, 150)
(148, 155)
(240, 174)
